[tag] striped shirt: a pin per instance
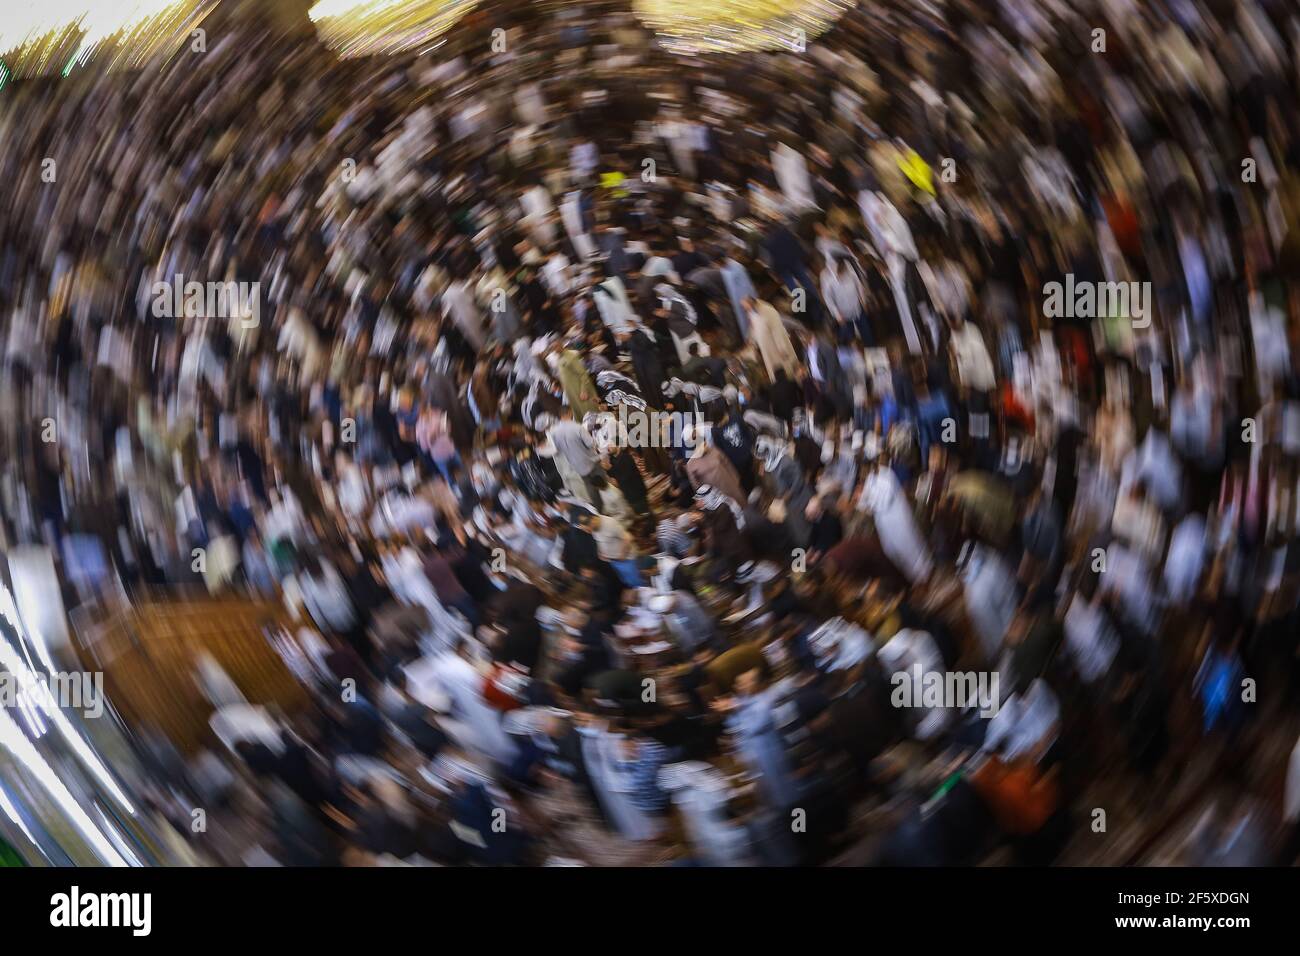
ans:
(672, 539)
(641, 776)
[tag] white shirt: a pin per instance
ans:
(974, 366)
(1091, 642)
(883, 496)
(583, 158)
(1185, 560)
(842, 291)
(890, 233)
(1024, 722)
(909, 652)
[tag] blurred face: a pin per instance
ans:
(749, 683)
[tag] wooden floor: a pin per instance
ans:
(149, 651)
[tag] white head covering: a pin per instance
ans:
(710, 499)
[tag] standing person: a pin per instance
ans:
(709, 466)
(975, 377)
(680, 316)
(825, 370)
(577, 384)
(785, 254)
(613, 305)
(825, 527)
(609, 242)
(884, 498)
(784, 395)
(623, 469)
(735, 439)
(739, 287)
(458, 305)
(750, 717)
(576, 456)
(615, 763)
(844, 294)
(892, 238)
(646, 366)
(433, 435)
(769, 334)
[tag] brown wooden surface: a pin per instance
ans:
(149, 654)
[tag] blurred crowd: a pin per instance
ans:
(534, 639)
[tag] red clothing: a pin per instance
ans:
(505, 688)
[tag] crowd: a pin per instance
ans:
(822, 275)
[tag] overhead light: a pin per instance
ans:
(370, 27)
(43, 37)
(736, 26)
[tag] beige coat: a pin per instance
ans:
(712, 467)
(769, 335)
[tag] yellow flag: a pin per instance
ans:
(614, 181)
(917, 170)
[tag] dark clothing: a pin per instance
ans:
(861, 558)
(785, 397)
(648, 369)
(623, 469)
(580, 550)
(827, 531)
(735, 439)
(705, 370)
(439, 572)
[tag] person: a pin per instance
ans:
(740, 287)
(708, 467)
(704, 369)
(827, 528)
(843, 293)
(784, 395)
(576, 456)
(646, 366)
(750, 718)
(579, 390)
(769, 335)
